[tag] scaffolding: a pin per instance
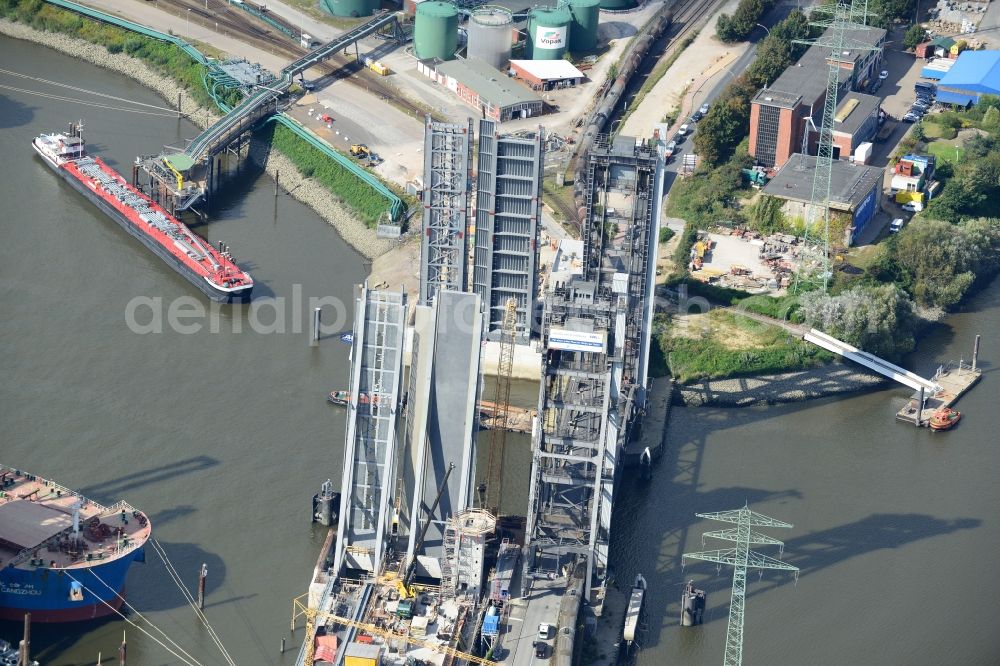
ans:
(447, 179)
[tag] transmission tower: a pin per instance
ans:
(741, 558)
(843, 16)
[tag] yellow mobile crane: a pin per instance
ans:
(299, 607)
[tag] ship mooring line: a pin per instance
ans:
(192, 662)
(190, 599)
(59, 98)
(84, 90)
(141, 616)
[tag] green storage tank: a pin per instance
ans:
(548, 32)
(618, 4)
(349, 7)
(435, 30)
(586, 15)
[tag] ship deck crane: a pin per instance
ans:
(491, 489)
(299, 607)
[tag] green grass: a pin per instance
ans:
(761, 349)
(934, 131)
(946, 152)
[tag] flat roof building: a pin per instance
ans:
(494, 94)
(855, 122)
(546, 74)
(780, 113)
(855, 189)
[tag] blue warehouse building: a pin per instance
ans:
(975, 73)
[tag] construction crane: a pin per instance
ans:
(491, 489)
(301, 608)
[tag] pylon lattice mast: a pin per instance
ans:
(741, 558)
(843, 15)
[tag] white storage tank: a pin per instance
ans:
(489, 35)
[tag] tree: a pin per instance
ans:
(774, 55)
(721, 130)
(878, 319)
(765, 214)
(918, 132)
(914, 35)
(991, 120)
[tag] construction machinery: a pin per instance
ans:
(300, 607)
(360, 150)
(491, 490)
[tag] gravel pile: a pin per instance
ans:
(352, 230)
(772, 389)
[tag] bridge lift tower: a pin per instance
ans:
(741, 558)
(843, 16)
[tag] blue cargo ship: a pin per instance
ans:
(63, 557)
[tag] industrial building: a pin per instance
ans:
(492, 93)
(855, 190)
(447, 190)
(855, 123)
(508, 223)
(782, 114)
(974, 74)
(546, 74)
(435, 30)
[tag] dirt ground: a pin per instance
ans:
(703, 57)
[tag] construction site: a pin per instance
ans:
(419, 565)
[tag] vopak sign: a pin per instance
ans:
(550, 38)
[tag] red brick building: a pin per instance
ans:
(781, 113)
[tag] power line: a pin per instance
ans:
(84, 90)
(172, 114)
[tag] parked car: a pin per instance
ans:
(912, 207)
(896, 225)
(541, 649)
(883, 75)
(704, 108)
(922, 104)
(546, 631)
(670, 149)
(911, 117)
(684, 130)
(695, 117)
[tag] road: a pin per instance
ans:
(521, 629)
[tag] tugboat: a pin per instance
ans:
(634, 611)
(944, 419)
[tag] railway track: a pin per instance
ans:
(251, 30)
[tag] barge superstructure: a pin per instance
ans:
(210, 269)
(63, 557)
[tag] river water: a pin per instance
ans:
(222, 436)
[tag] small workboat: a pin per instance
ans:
(944, 419)
(339, 397)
